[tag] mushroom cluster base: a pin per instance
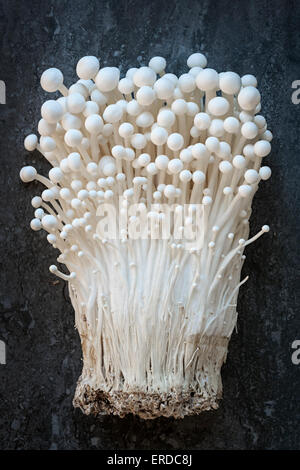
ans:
(177, 401)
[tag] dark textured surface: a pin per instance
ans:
(260, 409)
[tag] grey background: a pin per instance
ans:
(260, 409)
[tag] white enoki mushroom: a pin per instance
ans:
(154, 306)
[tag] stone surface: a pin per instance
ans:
(260, 409)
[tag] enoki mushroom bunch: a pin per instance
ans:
(148, 200)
